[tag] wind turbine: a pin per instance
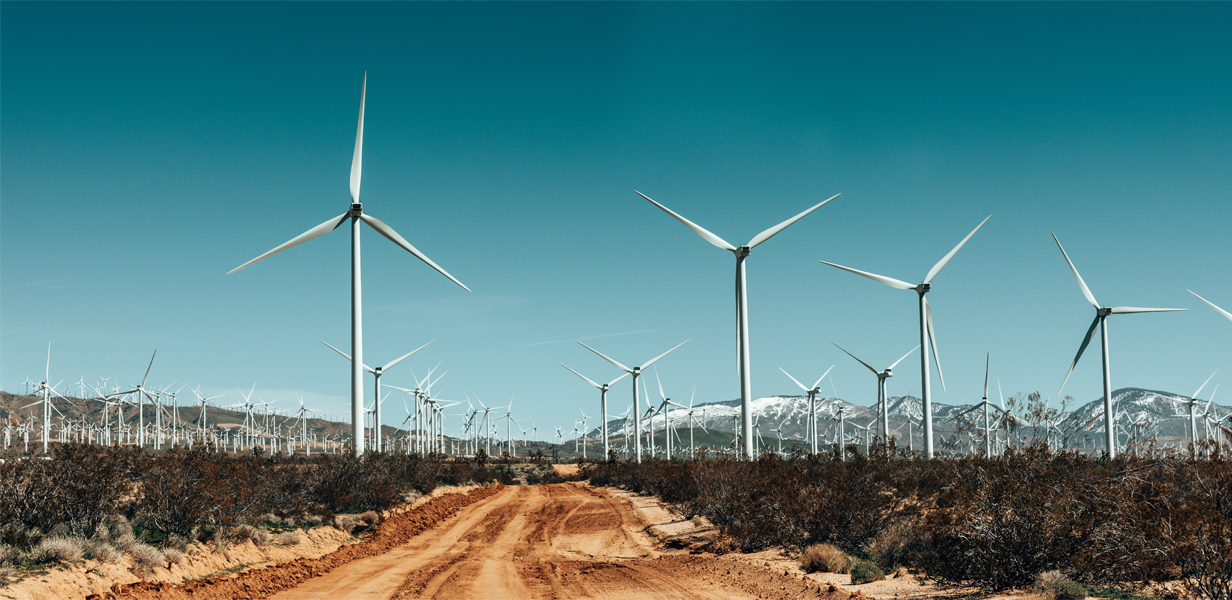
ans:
(1101, 316)
(636, 372)
(812, 402)
(141, 391)
(376, 438)
(1221, 311)
(742, 312)
(46, 389)
(985, 404)
(927, 335)
(666, 408)
(882, 376)
(1193, 400)
(356, 214)
(602, 399)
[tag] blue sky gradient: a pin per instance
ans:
(148, 148)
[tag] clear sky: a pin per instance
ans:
(147, 149)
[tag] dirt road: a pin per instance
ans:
(545, 541)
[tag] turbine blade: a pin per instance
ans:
(890, 281)
(1208, 380)
(1221, 311)
(660, 382)
(1082, 284)
(946, 259)
(699, 230)
(584, 378)
(769, 233)
(794, 379)
(1086, 340)
(403, 357)
(147, 369)
(613, 382)
(614, 363)
(655, 359)
(823, 376)
(358, 159)
(317, 231)
(986, 359)
(347, 356)
(932, 338)
(1129, 310)
(875, 372)
(904, 356)
(393, 236)
(1002, 396)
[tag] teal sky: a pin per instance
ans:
(148, 148)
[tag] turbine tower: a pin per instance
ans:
(742, 307)
(356, 214)
(635, 372)
(927, 335)
(1101, 316)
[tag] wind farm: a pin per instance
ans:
(549, 155)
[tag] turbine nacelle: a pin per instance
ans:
(923, 288)
(356, 209)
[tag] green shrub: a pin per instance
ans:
(1055, 585)
(863, 571)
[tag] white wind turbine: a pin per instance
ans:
(636, 372)
(1208, 302)
(742, 312)
(356, 214)
(812, 405)
(883, 402)
(376, 438)
(1193, 419)
(1101, 316)
(927, 334)
(602, 399)
(46, 390)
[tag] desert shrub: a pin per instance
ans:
(1054, 585)
(311, 520)
(243, 532)
(261, 537)
(173, 556)
(289, 538)
(863, 571)
(221, 537)
(269, 518)
(826, 558)
(103, 552)
(146, 559)
(370, 518)
(58, 550)
(346, 522)
(176, 541)
(9, 555)
(900, 543)
(78, 489)
(19, 537)
(124, 541)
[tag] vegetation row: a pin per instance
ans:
(997, 522)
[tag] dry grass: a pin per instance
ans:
(146, 559)
(289, 538)
(261, 537)
(826, 558)
(173, 556)
(58, 550)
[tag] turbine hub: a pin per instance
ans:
(356, 209)
(1103, 312)
(743, 251)
(923, 288)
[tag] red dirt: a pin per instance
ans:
(544, 541)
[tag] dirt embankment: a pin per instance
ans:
(263, 582)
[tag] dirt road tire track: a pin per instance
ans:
(542, 541)
(264, 582)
